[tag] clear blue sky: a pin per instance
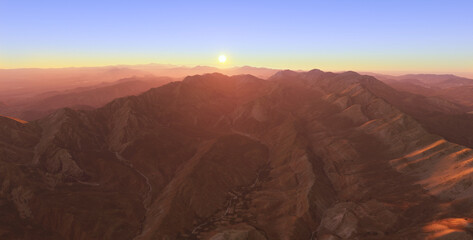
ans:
(364, 35)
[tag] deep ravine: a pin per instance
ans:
(147, 196)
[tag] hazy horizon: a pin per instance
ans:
(382, 37)
(366, 72)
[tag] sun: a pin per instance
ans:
(222, 58)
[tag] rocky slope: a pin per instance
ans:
(449, 87)
(309, 155)
(443, 111)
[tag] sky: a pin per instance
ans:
(366, 35)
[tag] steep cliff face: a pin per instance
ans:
(309, 155)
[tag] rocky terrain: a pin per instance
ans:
(450, 87)
(443, 104)
(302, 155)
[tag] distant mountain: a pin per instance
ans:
(302, 155)
(441, 81)
(428, 80)
(462, 95)
(448, 87)
(81, 98)
(20, 85)
(182, 71)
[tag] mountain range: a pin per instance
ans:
(90, 97)
(20, 84)
(300, 155)
(30, 94)
(453, 88)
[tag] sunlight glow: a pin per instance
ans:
(222, 58)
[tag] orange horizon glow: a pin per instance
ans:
(329, 66)
(391, 66)
(366, 37)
